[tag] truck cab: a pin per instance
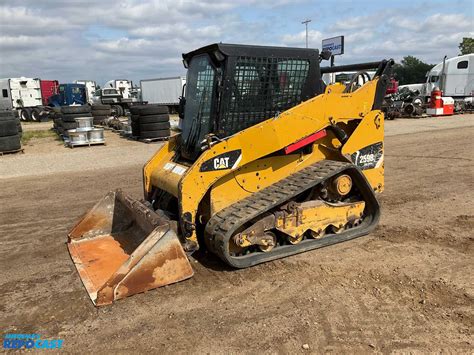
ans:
(454, 76)
(91, 88)
(69, 94)
(123, 86)
(108, 96)
(27, 96)
(113, 97)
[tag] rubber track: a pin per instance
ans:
(223, 224)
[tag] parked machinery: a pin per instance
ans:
(270, 163)
(403, 103)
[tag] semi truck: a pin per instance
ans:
(91, 88)
(453, 76)
(163, 91)
(119, 93)
(48, 89)
(114, 98)
(69, 94)
(123, 86)
(28, 96)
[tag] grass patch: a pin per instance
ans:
(29, 135)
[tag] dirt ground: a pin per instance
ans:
(407, 287)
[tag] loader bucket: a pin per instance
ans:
(121, 247)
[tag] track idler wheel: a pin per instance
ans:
(268, 242)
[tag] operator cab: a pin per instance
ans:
(232, 87)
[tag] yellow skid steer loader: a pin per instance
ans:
(270, 162)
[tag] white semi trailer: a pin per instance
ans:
(163, 91)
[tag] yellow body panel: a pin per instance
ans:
(262, 173)
(154, 167)
(265, 138)
(369, 131)
(169, 177)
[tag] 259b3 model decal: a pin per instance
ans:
(223, 161)
(369, 157)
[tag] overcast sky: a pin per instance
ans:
(110, 39)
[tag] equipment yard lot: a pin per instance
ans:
(406, 286)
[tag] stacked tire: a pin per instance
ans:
(135, 116)
(9, 133)
(100, 113)
(69, 115)
(18, 123)
(150, 121)
(56, 117)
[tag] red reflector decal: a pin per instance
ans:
(305, 141)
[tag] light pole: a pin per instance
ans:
(305, 22)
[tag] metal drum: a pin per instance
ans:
(96, 135)
(84, 123)
(77, 137)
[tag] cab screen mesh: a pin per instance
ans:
(260, 88)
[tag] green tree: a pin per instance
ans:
(411, 70)
(466, 46)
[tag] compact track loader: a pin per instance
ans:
(270, 162)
